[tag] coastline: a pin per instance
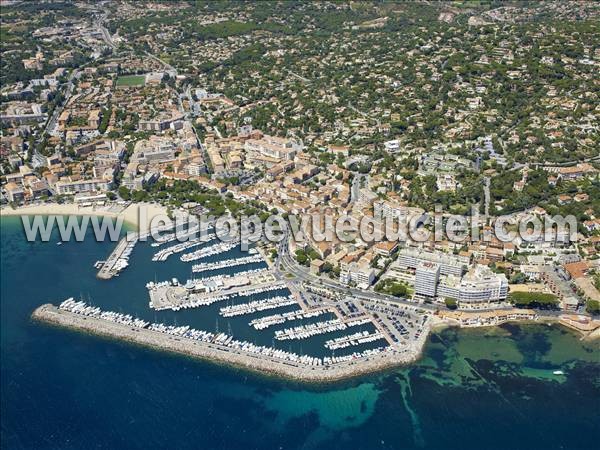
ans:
(258, 364)
(129, 213)
(586, 335)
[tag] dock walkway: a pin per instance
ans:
(115, 262)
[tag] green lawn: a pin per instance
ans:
(131, 80)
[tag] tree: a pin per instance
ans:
(593, 307)
(391, 287)
(451, 303)
(301, 257)
(124, 193)
(534, 300)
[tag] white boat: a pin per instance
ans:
(558, 372)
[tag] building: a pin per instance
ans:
(531, 271)
(73, 187)
(342, 150)
(154, 150)
(360, 274)
(14, 192)
(20, 113)
(386, 248)
(572, 173)
(385, 209)
(426, 279)
(108, 153)
(392, 146)
(316, 266)
(196, 167)
(94, 118)
(446, 182)
(449, 264)
(366, 196)
(161, 123)
(270, 150)
(479, 285)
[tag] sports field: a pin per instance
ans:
(131, 80)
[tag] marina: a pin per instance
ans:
(263, 323)
(219, 347)
(313, 329)
(226, 263)
(163, 254)
(257, 305)
(362, 337)
(216, 249)
(260, 291)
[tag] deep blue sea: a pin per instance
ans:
(473, 389)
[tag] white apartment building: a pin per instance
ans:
(274, 147)
(385, 209)
(362, 275)
(426, 279)
(392, 146)
(449, 264)
(479, 285)
(72, 187)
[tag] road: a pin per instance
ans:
(37, 159)
(169, 68)
(486, 193)
(300, 77)
(356, 184)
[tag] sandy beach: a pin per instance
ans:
(137, 215)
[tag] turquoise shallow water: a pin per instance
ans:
(491, 388)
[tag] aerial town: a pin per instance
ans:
(224, 110)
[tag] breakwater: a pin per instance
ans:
(236, 353)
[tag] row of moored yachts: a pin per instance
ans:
(205, 267)
(80, 307)
(163, 254)
(313, 329)
(362, 337)
(181, 235)
(215, 249)
(257, 305)
(265, 322)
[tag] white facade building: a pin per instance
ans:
(426, 279)
(362, 275)
(479, 285)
